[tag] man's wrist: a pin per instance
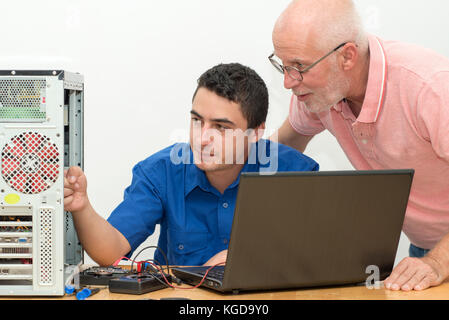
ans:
(86, 210)
(439, 262)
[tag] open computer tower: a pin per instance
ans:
(41, 134)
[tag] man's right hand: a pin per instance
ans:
(102, 242)
(75, 190)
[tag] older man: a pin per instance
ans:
(386, 102)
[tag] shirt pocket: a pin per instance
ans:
(188, 248)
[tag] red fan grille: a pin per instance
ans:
(30, 163)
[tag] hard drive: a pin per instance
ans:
(101, 275)
(139, 283)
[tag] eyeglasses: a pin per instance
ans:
(295, 73)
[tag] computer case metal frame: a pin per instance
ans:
(34, 228)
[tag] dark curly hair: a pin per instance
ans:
(239, 84)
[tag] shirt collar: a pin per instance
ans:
(194, 177)
(252, 163)
(377, 79)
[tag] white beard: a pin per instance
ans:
(325, 98)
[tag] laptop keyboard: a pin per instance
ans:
(216, 272)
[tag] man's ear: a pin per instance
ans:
(350, 54)
(258, 133)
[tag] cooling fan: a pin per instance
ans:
(30, 163)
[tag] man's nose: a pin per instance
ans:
(198, 132)
(206, 136)
(289, 82)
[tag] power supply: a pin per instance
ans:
(41, 134)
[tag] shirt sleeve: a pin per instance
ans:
(140, 211)
(433, 114)
(304, 163)
(302, 120)
(289, 159)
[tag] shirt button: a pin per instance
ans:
(225, 241)
(181, 247)
(364, 141)
(225, 205)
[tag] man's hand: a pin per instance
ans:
(218, 258)
(75, 190)
(415, 274)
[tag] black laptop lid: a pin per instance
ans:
(304, 229)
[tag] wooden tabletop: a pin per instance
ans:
(351, 292)
(357, 292)
(335, 293)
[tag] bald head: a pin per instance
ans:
(310, 29)
(321, 24)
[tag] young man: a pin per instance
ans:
(189, 189)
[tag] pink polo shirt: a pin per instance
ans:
(404, 123)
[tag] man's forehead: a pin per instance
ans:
(212, 110)
(295, 47)
(211, 113)
(296, 36)
(292, 54)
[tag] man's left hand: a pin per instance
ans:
(415, 274)
(219, 258)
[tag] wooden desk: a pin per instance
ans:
(359, 292)
(336, 293)
(333, 293)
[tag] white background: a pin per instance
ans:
(141, 60)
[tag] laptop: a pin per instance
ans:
(310, 229)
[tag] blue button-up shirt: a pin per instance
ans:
(195, 218)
